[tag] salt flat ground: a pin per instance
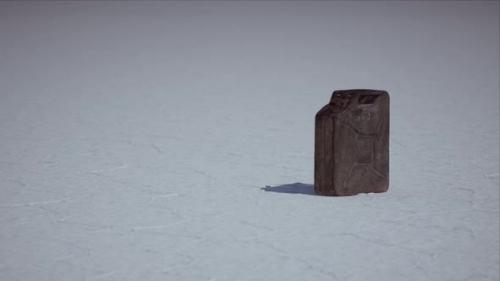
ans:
(174, 141)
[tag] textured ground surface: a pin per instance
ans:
(137, 141)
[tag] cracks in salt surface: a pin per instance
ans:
(36, 203)
(156, 148)
(112, 169)
(63, 258)
(254, 225)
(492, 175)
(382, 243)
(120, 229)
(154, 227)
(18, 182)
(440, 228)
(160, 196)
(427, 214)
(103, 275)
(314, 266)
(322, 271)
(205, 174)
(471, 191)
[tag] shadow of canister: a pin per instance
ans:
(294, 188)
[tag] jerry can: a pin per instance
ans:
(351, 151)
